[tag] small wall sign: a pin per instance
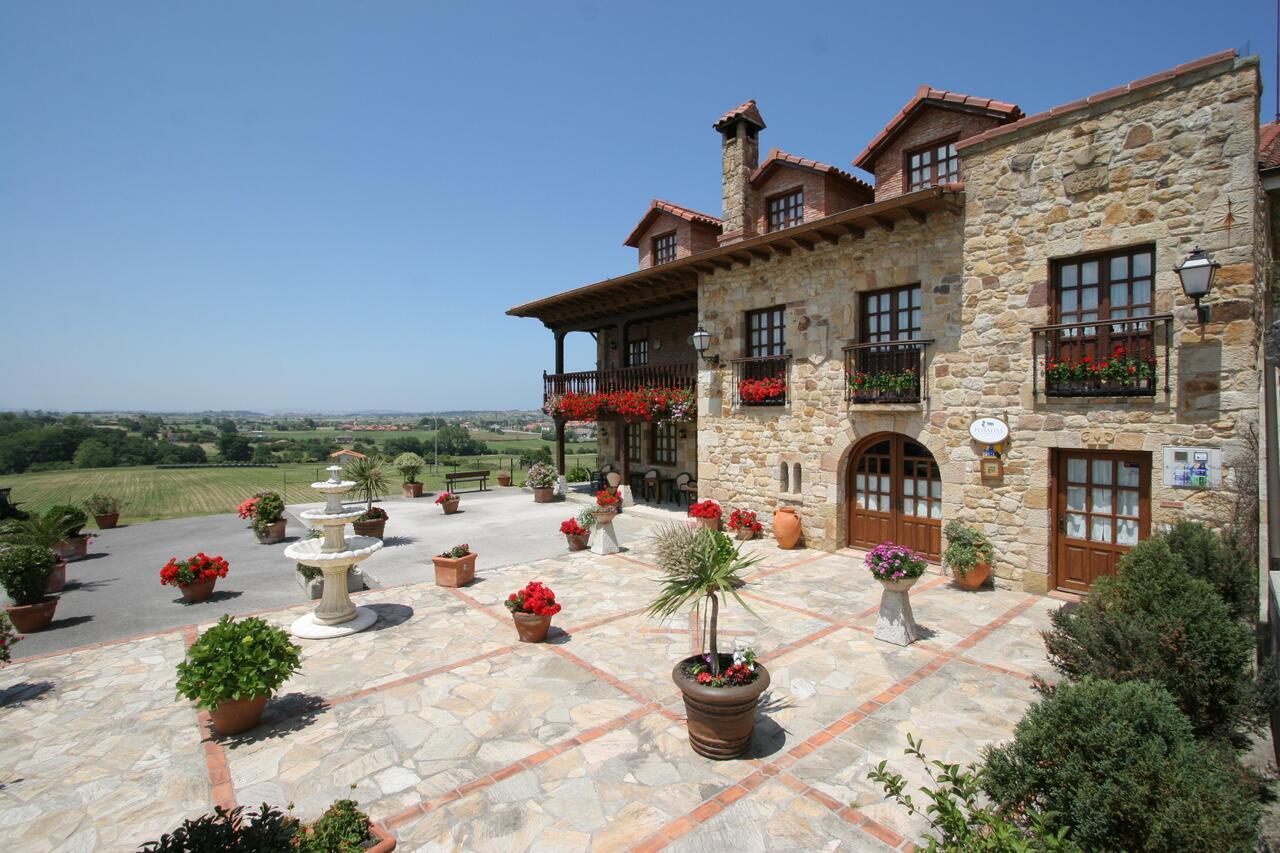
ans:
(992, 468)
(989, 430)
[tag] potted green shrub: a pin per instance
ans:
(105, 509)
(234, 667)
(969, 555)
(43, 531)
(269, 522)
(74, 545)
(455, 567)
(343, 828)
(542, 480)
(409, 464)
(24, 574)
(370, 480)
(702, 567)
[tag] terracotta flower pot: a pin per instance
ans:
(74, 548)
(370, 528)
(272, 533)
(412, 490)
(786, 527)
(720, 719)
(530, 627)
(198, 591)
(28, 618)
(744, 534)
(974, 578)
(108, 521)
(709, 523)
(578, 542)
(450, 507)
(455, 572)
(504, 479)
(238, 715)
(543, 496)
(606, 516)
(57, 578)
(384, 842)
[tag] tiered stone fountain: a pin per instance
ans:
(335, 615)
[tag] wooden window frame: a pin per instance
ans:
(1104, 284)
(637, 347)
(788, 201)
(777, 343)
(665, 437)
(864, 314)
(660, 240)
(932, 148)
(635, 434)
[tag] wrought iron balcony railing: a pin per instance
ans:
(886, 372)
(683, 375)
(1102, 358)
(761, 381)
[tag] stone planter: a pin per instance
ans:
(412, 490)
(786, 527)
(455, 572)
(370, 528)
(28, 618)
(974, 578)
(238, 715)
(895, 622)
(720, 719)
(504, 479)
(709, 523)
(198, 591)
(314, 587)
(74, 548)
(544, 495)
(272, 533)
(450, 507)
(578, 543)
(606, 516)
(57, 578)
(531, 628)
(108, 521)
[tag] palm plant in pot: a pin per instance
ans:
(234, 667)
(409, 464)
(371, 483)
(702, 567)
(24, 574)
(542, 480)
(969, 555)
(105, 509)
(74, 545)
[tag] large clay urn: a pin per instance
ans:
(786, 527)
(720, 719)
(974, 578)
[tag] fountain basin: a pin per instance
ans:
(323, 515)
(335, 486)
(309, 553)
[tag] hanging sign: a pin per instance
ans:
(989, 430)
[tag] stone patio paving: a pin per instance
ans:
(458, 737)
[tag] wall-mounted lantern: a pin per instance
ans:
(701, 341)
(1196, 274)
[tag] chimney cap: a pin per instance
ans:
(746, 112)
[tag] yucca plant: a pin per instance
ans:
(370, 478)
(703, 567)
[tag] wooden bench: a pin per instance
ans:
(452, 479)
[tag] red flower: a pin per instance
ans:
(201, 567)
(704, 678)
(534, 598)
(705, 509)
(571, 527)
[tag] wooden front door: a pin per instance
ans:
(895, 495)
(1103, 506)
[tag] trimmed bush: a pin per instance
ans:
(237, 660)
(1120, 765)
(1220, 561)
(268, 830)
(24, 572)
(1155, 622)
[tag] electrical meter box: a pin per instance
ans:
(1192, 467)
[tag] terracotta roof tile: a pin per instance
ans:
(924, 96)
(777, 156)
(658, 206)
(746, 112)
(1098, 97)
(1269, 145)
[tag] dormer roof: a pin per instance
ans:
(1269, 145)
(781, 159)
(658, 207)
(745, 112)
(927, 96)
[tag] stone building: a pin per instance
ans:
(995, 333)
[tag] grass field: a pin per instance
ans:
(152, 493)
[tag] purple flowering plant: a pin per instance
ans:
(889, 562)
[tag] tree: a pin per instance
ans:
(226, 426)
(233, 447)
(94, 453)
(262, 454)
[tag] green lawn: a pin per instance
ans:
(151, 493)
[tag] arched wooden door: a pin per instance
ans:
(895, 495)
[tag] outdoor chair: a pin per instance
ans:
(686, 488)
(598, 478)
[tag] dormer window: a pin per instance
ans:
(934, 164)
(664, 248)
(786, 210)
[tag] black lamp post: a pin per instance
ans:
(701, 340)
(1196, 274)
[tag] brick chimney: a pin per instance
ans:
(740, 145)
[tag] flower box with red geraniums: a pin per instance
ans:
(575, 534)
(608, 500)
(743, 523)
(448, 501)
(195, 576)
(707, 513)
(1119, 373)
(763, 392)
(636, 404)
(532, 609)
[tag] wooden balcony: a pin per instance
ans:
(683, 375)
(758, 377)
(1109, 358)
(886, 372)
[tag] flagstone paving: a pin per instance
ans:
(458, 737)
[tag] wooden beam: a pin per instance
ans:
(803, 242)
(856, 231)
(764, 253)
(743, 258)
(831, 237)
(918, 215)
(722, 263)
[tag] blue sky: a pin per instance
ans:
(314, 205)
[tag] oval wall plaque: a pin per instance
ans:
(989, 430)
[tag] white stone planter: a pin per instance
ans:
(604, 540)
(895, 624)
